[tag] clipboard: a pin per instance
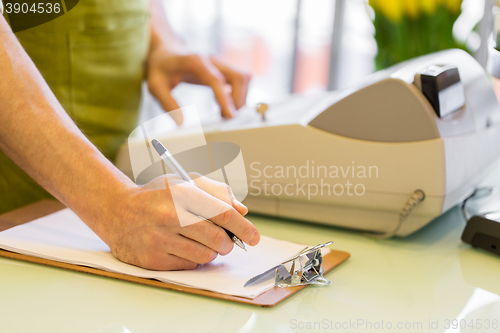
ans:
(45, 207)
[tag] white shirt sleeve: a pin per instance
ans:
(1, 7)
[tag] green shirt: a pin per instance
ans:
(93, 59)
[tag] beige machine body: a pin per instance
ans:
(353, 158)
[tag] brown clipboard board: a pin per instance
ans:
(41, 208)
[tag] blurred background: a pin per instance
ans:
(312, 46)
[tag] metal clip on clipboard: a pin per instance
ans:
(302, 269)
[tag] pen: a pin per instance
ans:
(182, 174)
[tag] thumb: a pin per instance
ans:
(168, 103)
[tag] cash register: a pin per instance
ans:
(386, 156)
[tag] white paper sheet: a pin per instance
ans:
(62, 236)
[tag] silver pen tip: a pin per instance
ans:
(160, 149)
(238, 242)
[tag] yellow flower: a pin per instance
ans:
(454, 5)
(429, 6)
(412, 8)
(392, 9)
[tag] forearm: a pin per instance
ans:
(38, 135)
(161, 32)
(141, 225)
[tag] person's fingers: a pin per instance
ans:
(198, 202)
(190, 250)
(153, 256)
(233, 221)
(163, 94)
(203, 71)
(241, 208)
(206, 233)
(222, 95)
(239, 86)
(219, 190)
(238, 81)
(170, 105)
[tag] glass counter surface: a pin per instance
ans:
(427, 282)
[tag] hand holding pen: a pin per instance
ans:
(183, 175)
(145, 225)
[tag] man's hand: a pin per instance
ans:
(169, 63)
(167, 69)
(140, 225)
(147, 229)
